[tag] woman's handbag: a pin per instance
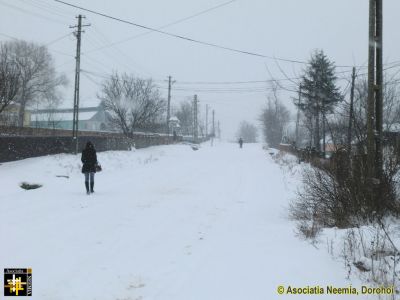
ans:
(98, 167)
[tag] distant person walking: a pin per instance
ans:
(241, 143)
(89, 160)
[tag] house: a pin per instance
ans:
(391, 135)
(90, 118)
(9, 116)
(174, 125)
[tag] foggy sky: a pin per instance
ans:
(283, 28)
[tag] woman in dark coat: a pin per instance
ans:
(89, 160)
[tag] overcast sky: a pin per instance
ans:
(289, 29)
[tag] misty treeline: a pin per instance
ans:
(27, 78)
(184, 111)
(274, 119)
(247, 132)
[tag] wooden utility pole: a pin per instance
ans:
(371, 92)
(351, 114)
(213, 128)
(195, 121)
(169, 102)
(298, 118)
(375, 93)
(379, 92)
(75, 125)
(206, 121)
(323, 132)
(213, 123)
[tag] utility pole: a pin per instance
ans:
(213, 123)
(375, 93)
(75, 126)
(375, 103)
(379, 91)
(206, 121)
(351, 114)
(170, 82)
(219, 130)
(298, 118)
(323, 131)
(195, 125)
(213, 128)
(371, 92)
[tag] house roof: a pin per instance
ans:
(174, 119)
(392, 128)
(65, 110)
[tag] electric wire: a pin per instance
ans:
(188, 38)
(162, 27)
(38, 15)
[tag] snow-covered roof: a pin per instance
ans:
(174, 119)
(392, 128)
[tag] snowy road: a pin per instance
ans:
(165, 223)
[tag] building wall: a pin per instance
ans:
(95, 123)
(83, 125)
(9, 116)
(22, 142)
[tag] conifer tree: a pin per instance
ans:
(319, 92)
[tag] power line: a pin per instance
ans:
(167, 33)
(30, 13)
(222, 89)
(116, 53)
(58, 39)
(204, 90)
(162, 27)
(42, 7)
(53, 8)
(187, 38)
(229, 82)
(46, 44)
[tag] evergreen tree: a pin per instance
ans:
(319, 92)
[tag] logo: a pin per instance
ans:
(17, 282)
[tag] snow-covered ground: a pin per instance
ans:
(164, 223)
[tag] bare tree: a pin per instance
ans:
(391, 104)
(185, 116)
(38, 78)
(274, 119)
(391, 109)
(133, 103)
(10, 78)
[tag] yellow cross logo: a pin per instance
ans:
(15, 285)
